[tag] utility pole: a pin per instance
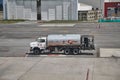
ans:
(100, 13)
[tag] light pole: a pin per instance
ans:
(100, 13)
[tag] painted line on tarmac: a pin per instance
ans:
(56, 25)
(51, 55)
(56, 55)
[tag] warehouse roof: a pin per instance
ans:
(84, 7)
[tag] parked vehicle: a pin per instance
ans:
(67, 43)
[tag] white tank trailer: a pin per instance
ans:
(67, 43)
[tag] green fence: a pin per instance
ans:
(103, 20)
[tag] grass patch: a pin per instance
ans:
(11, 21)
(62, 21)
(65, 21)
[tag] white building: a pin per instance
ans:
(20, 9)
(59, 10)
(45, 9)
(49, 9)
(84, 7)
(88, 13)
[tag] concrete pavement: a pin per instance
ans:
(58, 68)
(15, 38)
(109, 52)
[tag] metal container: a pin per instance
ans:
(62, 40)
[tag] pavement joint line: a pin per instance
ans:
(93, 69)
(87, 76)
(29, 69)
(3, 62)
(52, 55)
(56, 55)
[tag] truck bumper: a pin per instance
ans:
(31, 50)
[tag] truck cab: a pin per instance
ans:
(38, 46)
(87, 42)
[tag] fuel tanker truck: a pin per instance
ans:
(66, 43)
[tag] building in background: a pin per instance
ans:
(83, 11)
(1, 7)
(112, 9)
(51, 9)
(98, 14)
(41, 9)
(1, 15)
(88, 13)
(20, 9)
(93, 3)
(102, 6)
(59, 10)
(1, 10)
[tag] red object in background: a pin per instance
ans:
(110, 4)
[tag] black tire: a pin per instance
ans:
(36, 51)
(75, 51)
(67, 51)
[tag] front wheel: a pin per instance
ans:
(36, 51)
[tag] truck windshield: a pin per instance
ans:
(41, 40)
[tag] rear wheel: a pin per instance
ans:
(36, 51)
(67, 51)
(75, 51)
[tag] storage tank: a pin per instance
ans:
(62, 40)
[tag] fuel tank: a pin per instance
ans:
(62, 40)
